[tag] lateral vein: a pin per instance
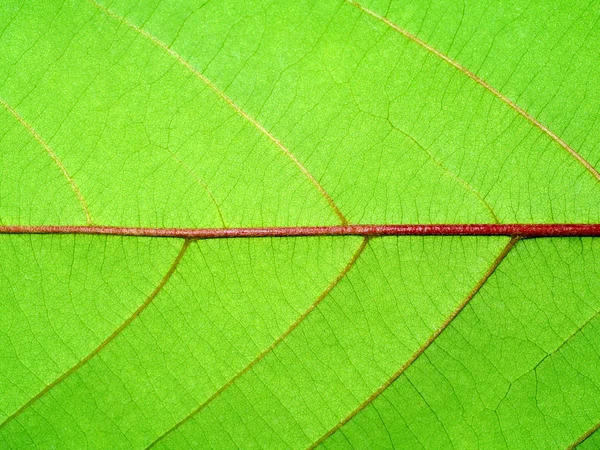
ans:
(423, 347)
(230, 102)
(518, 109)
(106, 341)
(271, 347)
(55, 158)
(584, 436)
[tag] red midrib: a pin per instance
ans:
(521, 230)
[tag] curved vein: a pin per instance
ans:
(483, 84)
(230, 102)
(271, 347)
(454, 176)
(106, 341)
(54, 157)
(584, 437)
(423, 347)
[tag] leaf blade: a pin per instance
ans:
(209, 115)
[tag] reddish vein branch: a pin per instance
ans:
(106, 341)
(221, 94)
(484, 84)
(271, 347)
(423, 347)
(523, 230)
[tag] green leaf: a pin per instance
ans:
(222, 114)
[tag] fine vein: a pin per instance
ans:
(274, 344)
(106, 341)
(230, 102)
(423, 347)
(54, 157)
(483, 84)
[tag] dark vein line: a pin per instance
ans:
(106, 341)
(271, 347)
(57, 161)
(531, 230)
(483, 84)
(423, 347)
(229, 101)
(584, 436)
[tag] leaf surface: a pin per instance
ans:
(170, 113)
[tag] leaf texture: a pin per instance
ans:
(222, 114)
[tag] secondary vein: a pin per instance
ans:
(230, 102)
(55, 158)
(423, 347)
(519, 110)
(584, 436)
(106, 341)
(271, 347)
